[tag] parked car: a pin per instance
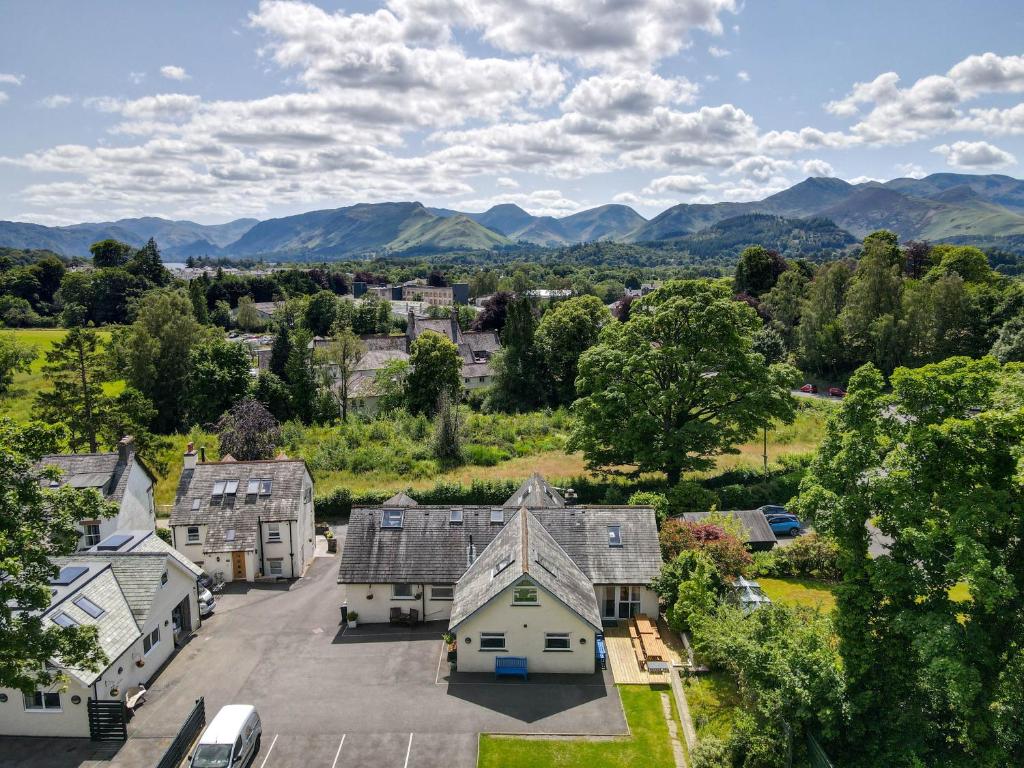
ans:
(811, 389)
(206, 602)
(232, 738)
(205, 581)
(775, 518)
(836, 392)
(784, 525)
(773, 509)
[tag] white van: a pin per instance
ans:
(230, 740)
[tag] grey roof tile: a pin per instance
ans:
(102, 471)
(535, 493)
(757, 528)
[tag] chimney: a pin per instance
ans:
(125, 448)
(455, 325)
(470, 552)
(190, 457)
(570, 497)
(202, 455)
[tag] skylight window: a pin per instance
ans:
(68, 574)
(266, 485)
(498, 516)
(229, 534)
(455, 517)
(113, 543)
(230, 487)
(63, 620)
(253, 488)
(88, 606)
(218, 492)
(196, 503)
(392, 518)
(614, 535)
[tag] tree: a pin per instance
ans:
(273, 393)
(934, 465)
(155, 351)
(690, 585)
(248, 431)
(784, 303)
(146, 263)
(321, 312)
(872, 308)
(1009, 346)
(15, 357)
(447, 443)
(493, 313)
(564, 333)
(517, 374)
(338, 363)
(678, 384)
(76, 368)
(298, 372)
(219, 378)
(131, 413)
(38, 523)
(221, 314)
(197, 295)
(435, 370)
(757, 270)
(916, 259)
(247, 318)
(110, 253)
(723, 547)
(769, 344)
(390, 384)
(820, 334)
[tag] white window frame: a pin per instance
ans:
(153, 643)
(43, 707)
(449, 588)
(91, 538)
(266, 486)
(189, 538)
(498, 516)
(518, 601)
(279, 563)
(557, 637)
(392, 518)
(455, 516)
(273, 533)
(493, 636)
(396, 596)
(253, 487)
(217, 495)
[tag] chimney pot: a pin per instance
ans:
(190, 457)
(202, 454)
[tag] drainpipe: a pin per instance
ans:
(291, 547)
(263, 549)
(423, 601)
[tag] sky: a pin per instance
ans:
(212, 111)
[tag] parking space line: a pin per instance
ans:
(267, 756)
(408, 750)
(338, 753)
(440, 658)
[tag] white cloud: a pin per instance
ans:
(506, 183)
(173, 72)
(56, 101)
(974, 155)
(759, 167)
(911, 170)
(680, 184)
(816, 167)
(137, 77)
(743, 75)
(629, 93)
(3, 97)
(989, 73)
(10, 79)
(718, 53)
(863, 179)
(540, 202)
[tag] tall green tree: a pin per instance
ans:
(197, 295)
(298, 370)
(822, 348)
(871, 312)
(247, 318)
(110, 253)
(565, 332)
(38, 523)
(280, 350)
(518, 382)
(435, 370)
(148, 264)
(76, 368)
(15, 357)
(321, 312)
(338, 363)
(758, 270)
(678, 384)
(219, 376)
(934, 465)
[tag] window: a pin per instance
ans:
(524, 593)
(253, 488)
(63, 620)
(492, 641)
(151, 641)
(274, 532)
(218, 492)
(498, 516)
(557, 641)
(614, 536)
(266, 485)
(88, 606)
(41, 701)
(392, 518)
(230, 489)
(163, 578)
(193, 534)
(402, 591)
(442, 592)
(276, 566)
(195, 504)
(92, 534)
(455, 517)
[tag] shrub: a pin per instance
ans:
(483, 455)
(651, 499)
(688, 496)
(710, 753)
(728, 553)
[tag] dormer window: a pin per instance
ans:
(218, 492)
(392, 518)
(498, 516)
(230, 489)
(455, 517)
(614, 535)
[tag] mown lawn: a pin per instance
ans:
(713, 700)
(648, 746)
(808, 592)
(17, 403)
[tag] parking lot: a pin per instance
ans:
(333, 697)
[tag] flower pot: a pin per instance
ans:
(140, 663)
(352, 623)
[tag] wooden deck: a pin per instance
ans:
(625, 668)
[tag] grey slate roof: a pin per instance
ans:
(375, 342)
(534, 554)
(148, 541)
(243, 514)
(138, 574)
(401, 499)
(756, 527)
(102, 471)
(535, 492)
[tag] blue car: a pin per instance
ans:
(784, 525)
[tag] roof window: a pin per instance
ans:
(392, 518)
(498, 516)
(63, 620)
(455, 517)
(614, 535)
(88, 606)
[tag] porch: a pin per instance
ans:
(625, 665)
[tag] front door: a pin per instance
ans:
(238, 566)
(629, 602)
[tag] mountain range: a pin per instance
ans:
(951, 207)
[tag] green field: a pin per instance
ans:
(807, 592)
(648, 745)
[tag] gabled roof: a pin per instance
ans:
(103, 471)
(232, 525)
(139, 575)
(400, 499)
(524, 549)
(147, 541)
(535, 493)
(757, 528)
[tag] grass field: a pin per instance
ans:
(713, 700)
(17, 403)
(809, 592)
(648, 746)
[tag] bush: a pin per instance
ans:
(483, 455)
(710, 753)
(164, 534)
(689, 496)
(811, 556)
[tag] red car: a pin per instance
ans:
(811, 389)
(836, 392)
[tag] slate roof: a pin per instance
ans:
(242, 515)
(535, 492)
(533, 553)
(756, 527)
(102, 471)
(375, 342)
(401, 499)
(148, 541)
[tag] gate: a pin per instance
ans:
(190, 730)
(107, 721)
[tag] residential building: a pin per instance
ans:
(120, 476)
(142, 598)
(585, 564)
(758, 535)
(416, 290)
(245, 520)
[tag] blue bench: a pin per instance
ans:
(510, 666)
(601, 651)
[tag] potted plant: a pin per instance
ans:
(140, 663)
(332, 543)
(353, 616)
(449, 641)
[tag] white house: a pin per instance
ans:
(121, 478)
(143, 600)
(244, 520)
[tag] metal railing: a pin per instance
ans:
(189, 732)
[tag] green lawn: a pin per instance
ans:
(713, 700)
(649, 746)
(809, 592)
